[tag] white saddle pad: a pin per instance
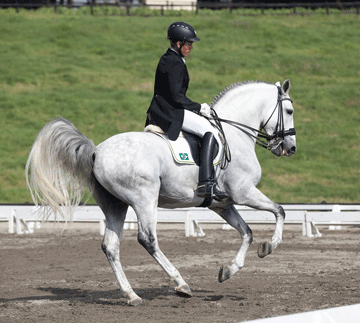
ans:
(180, 148)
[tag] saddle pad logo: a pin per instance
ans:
(184, 156)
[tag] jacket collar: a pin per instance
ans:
(173, 50)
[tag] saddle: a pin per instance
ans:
(185, 149)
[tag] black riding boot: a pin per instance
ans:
(207, 185)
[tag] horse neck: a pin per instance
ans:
(248, 104)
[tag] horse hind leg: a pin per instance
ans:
(110, 246)
(233, 217)
(147, 237)
(115, 213)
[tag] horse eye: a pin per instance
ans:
(289, 112)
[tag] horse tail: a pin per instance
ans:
(59, 168)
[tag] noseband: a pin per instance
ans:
(273, 141)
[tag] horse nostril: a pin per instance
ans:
(293, 149)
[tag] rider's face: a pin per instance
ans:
(186, 49)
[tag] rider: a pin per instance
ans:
(172, 110)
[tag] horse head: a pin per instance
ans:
(280, 126)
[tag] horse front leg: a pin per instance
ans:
(232, 216)
(265, 248)
(258, 200)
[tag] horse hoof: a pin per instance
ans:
(224, 274)
(264, 249)
(184, 291)
(135, 301)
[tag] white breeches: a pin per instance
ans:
(198, 125)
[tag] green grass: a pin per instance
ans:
(98, 71)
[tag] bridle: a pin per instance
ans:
(272, 141)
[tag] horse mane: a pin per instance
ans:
(233, 86)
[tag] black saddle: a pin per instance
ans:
(195, 143)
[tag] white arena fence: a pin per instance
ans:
(343, 314)
(24, 218)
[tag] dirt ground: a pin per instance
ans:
(54, 277)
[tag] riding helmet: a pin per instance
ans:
(181, 31)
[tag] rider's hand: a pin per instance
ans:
(205, 110)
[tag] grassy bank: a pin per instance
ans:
(98, 72)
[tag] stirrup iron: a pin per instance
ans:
(210, 190)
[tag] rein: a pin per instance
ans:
(272, 141)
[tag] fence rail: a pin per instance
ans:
(195, 6)
(24, 218)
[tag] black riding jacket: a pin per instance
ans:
(171, 83)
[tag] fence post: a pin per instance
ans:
(162, 10)
(11, 221)
(18, 224)
(92, 8)
(197, 7)
(294, 10)
(102, 227)
(189, 229)
(128, 10)
(304, 228)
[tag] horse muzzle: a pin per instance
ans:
(283, 143)
(283, 148)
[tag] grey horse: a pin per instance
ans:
(137, 169)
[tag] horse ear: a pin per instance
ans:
(286, 86)
(277, 83)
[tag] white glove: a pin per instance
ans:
(205, 110)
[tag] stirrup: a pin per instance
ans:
(210, 190)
